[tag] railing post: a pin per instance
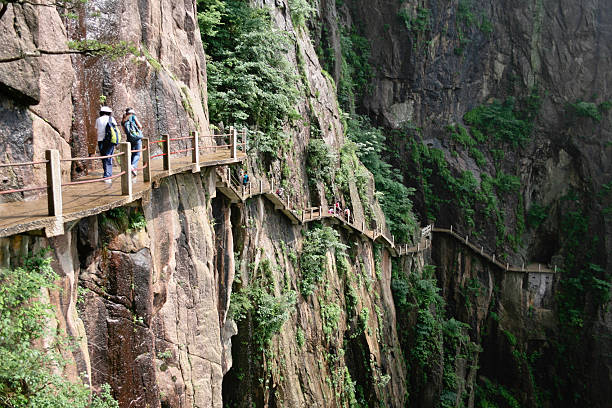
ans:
(195, 153)
(231, 134)
(54, 182)
(523, 267)
(233, 142)
(507, 265)
(146, 160)
(481, 250)
(451, 228)
(126, 178)
(320, 211)
(539, 267)
(466, 239)
(493, 258)
(418, 246)
(166, 151)
(260, 186)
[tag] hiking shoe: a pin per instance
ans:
(108, 181)
(134, 173)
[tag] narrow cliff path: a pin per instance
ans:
(83, 200)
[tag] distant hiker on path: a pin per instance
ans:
(347, 214)
(245, 179)
(132, 127)
(108, 137)
(338, 208)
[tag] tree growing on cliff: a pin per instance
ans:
(29, 356)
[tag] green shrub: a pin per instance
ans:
(268, 311)
(536, 215)
(250, 81)
(313, 260)
(28, 375)
(501, 121)
(330, 315)
(301, 10)
(586, 110)
(320, 161)
(372, 147)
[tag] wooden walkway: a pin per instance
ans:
(83, 200)
(532, 268)
(232, 188)
(229, 186)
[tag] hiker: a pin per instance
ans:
(245, 179)
(132, 127)
(338, 208)
(108, 137)
(347, 214)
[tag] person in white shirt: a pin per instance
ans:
(106, 149)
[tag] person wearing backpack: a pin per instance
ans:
(108, 137)
(132, 128)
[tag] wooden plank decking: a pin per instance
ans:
(83, 200)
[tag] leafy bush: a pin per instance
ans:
(356, 71)
(395, 200)
(28, 374)
(301, 10)
(250, 81)
(586, 110)
(320, 161)
(330, 315)
(258, 300)
(501, 121)
(313, 260)
(536, 215)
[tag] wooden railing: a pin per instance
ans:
(465, 240)
(232, 142)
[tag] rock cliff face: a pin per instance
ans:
(150, 304)
(54, 99)
(435, 61)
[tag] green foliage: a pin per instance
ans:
(420, 23)
(501, 121)
(210, 13)
(330, 315)
(491, 395)
(28, 374)
(586, 110)
(250, 81)
(259, 302)
(300, 339)
(433, 336)
(313, 260)
(113, 51)
(320, 161)
(536, 215)
(301, 11)
(137, 221)
(395, 196)
(356, 71)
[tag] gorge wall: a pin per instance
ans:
(186, 299)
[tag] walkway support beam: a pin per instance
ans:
(126, 178)
(195, 153)
(166, 151)
(233, 142)
(146, 160)
(54, 182)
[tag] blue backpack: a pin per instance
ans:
(111, 133)
(134, 134)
